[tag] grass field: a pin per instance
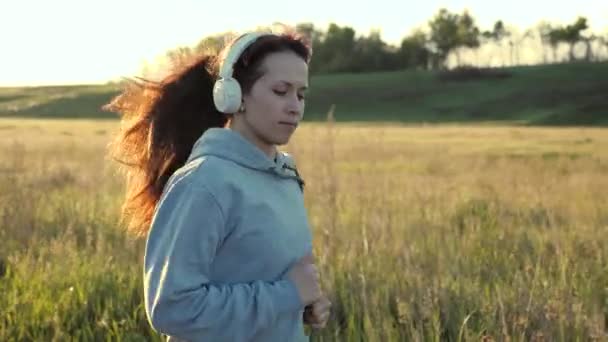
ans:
(566, 94)
(422, 233)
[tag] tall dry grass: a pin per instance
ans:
(446, 233)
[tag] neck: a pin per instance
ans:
(269, 150)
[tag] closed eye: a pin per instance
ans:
(283, 93)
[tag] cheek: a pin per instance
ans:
(271, 104)
(263, 110)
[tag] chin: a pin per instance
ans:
(275, 139)
(281, 140)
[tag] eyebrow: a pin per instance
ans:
(291, 85)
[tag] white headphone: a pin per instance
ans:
(226, 90)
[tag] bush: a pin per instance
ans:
(470, 73)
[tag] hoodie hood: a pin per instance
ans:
(230, 145)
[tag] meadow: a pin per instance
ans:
(421, 232)
(571, 94)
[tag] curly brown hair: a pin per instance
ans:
(161, 121)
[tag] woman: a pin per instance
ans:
(228, 249)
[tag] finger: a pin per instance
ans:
(309, 309)
(321, 306)
(315, 320)
(311, 320)
(323, 316)
(310, 316)
(318, 326)
(308, 258)
(318, 310)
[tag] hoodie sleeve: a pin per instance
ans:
(180, 299)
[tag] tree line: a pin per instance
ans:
(449, 40)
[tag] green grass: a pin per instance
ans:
(83, 101)
(452, 233)
(566, 94)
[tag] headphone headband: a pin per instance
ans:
(235, 51)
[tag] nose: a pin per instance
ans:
(295, 106)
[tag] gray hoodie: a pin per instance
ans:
(227, 228)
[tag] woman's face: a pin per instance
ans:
(275, 104)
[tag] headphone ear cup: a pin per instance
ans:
(227, 95)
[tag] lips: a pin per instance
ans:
(294, 124)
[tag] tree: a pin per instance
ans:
(413, 51)
(497, 35)
(571, 34)
(444, 36)
(180, 56)
(312, 35)
(309, 31)
(468, 32)
(547, 38)
(451, 31)
(603, 41)
(588, 49)
(306, 29)
(212, 44)
(372, 54)
(336, 50)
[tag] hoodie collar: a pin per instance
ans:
(228, 144)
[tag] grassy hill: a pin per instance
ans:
(567, 94)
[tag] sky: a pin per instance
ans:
(84, 41)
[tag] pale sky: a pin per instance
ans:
(69, 41)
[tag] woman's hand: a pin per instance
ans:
(317, 313)
(305, 275)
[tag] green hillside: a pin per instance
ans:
(567, 94)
